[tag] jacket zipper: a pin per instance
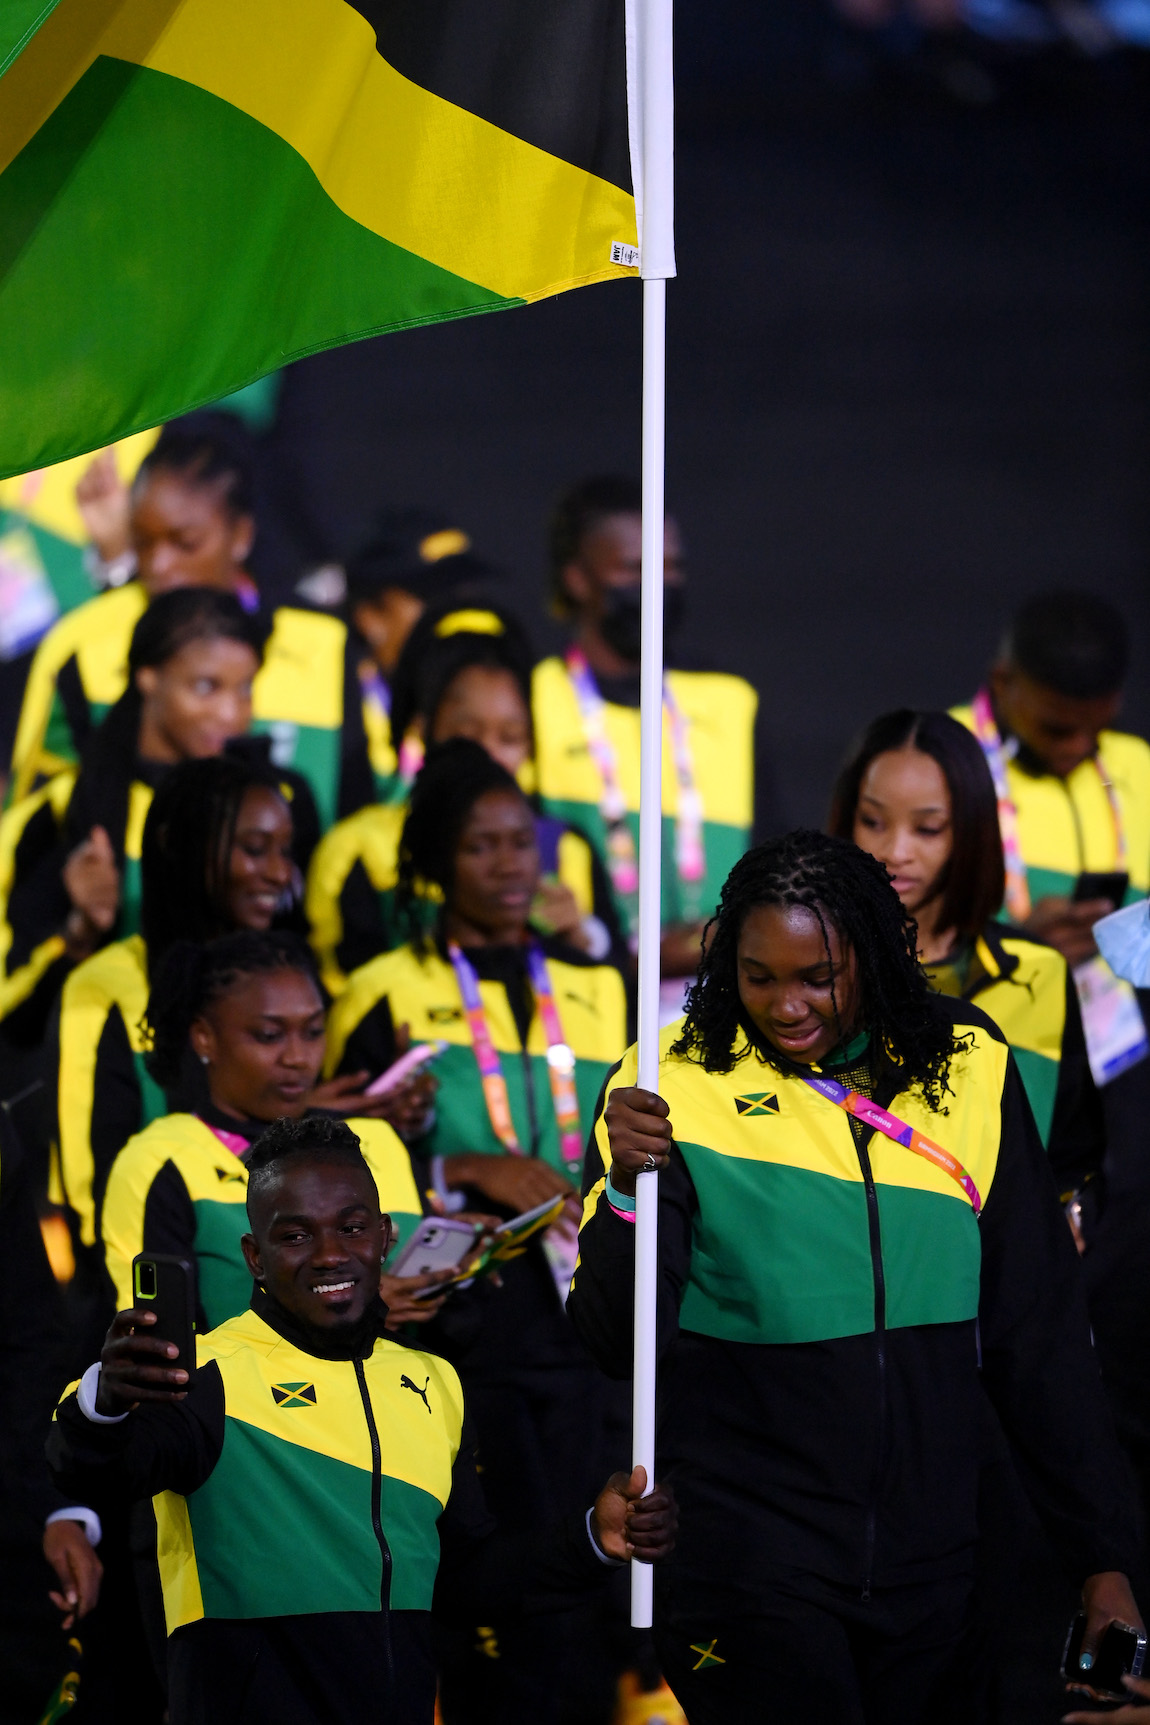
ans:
(377, 1520)
(880, 1344)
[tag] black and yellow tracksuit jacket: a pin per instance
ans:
(523, 1326)
(355, 869)
(1027, 988)
(1066, 826)
(719, 713)
(306, 697)
(828, 1305)
(176, 1187)
(316, 1497)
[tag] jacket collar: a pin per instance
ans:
(355, 1344)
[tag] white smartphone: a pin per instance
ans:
(405, 1067)
(439, 1243)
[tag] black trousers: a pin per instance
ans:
(815, 1651)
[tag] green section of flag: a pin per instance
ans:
(136, 185)
(19, 22)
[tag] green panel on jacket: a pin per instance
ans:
(1040, 1080)
(321, 1555)
(225, 1282)
(782, 1254)
(463, 1126)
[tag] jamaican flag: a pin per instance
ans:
(194, 192)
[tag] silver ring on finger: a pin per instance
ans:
(650, 1165)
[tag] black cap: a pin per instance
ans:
(420, 551)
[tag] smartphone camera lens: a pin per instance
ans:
(146, 1281)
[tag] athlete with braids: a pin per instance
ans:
(462, 673)
(249, 1009)
(855, 1216)
(192, 523)
(219, 851)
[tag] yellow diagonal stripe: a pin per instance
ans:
(418, 170)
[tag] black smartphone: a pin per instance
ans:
(1121, 1651)
(1111, 885)
(166, 1285)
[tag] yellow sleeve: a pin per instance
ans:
(122, 1214)
(575, 870)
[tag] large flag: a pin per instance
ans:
(194, 192)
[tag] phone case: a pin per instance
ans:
(437, 1244)
(173, 1300)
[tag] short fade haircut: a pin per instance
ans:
(1071, 642)
(313, 1139)
(579, 512)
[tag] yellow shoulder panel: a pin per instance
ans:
(575, 870)
(387, 1156)
(117, 976)
(1029, 1006)
(423, 993)
(592, 1007)
(301, 678)
(207, 1169)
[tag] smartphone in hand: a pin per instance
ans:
(166, 1285)
(1121, 1653)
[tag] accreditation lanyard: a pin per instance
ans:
(892, 1127)
(560, 1058)
(1017, 888)
(622, 860)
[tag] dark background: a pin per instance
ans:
(907, 373)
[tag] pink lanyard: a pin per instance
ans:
(892, 1127)
(560, 1059)
(233, 1141)
(690, 853)
(1017, 888)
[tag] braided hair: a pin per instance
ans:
(187, 846)
(848, 890)
(451, 781)
(437, 651)
(315, 1138)
(190, 978)
(205, 449)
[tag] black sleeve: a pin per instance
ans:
(1038, 1360)
(117, 1106)
(601, 1302)
(1078, 1128)
(502, 1573)
(170, 1225)
(31, 1342)
(371, 1045)
(356, 784)
(365, 932)
(37, 909)
(305, 827)
(161, 1446)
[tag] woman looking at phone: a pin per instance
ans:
(917, 794)
(828, 1293)
(462, 673)
(250, 1010)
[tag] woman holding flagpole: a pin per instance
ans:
(855, 1223)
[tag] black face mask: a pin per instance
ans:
(619, 624)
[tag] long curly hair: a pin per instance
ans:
(847, 890)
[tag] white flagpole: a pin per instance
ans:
(649, 46)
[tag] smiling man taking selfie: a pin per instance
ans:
(315, 1483)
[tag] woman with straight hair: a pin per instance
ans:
(858, 1241)
(917, 794)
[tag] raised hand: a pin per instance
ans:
(92, 882)
(105, 507)
(133, 1368)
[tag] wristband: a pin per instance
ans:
(86, 1392)
(621, 1202)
